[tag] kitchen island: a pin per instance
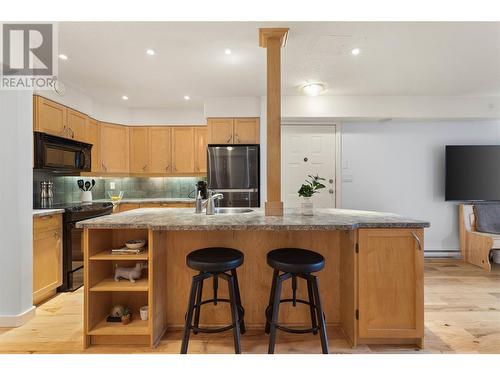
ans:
(371, 286)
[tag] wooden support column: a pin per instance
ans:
(273, 39)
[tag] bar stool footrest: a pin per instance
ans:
(241, 314)
(313, 330)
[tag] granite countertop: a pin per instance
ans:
(47, 212)
(186, 219)
(149, 200)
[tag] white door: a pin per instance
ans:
(307, 150)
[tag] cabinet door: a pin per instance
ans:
(127, 206)
(114, 148)
(200, 137)
(390, 282)
(183, 149)
(220, 130)
(50, 117)
(161, 149)
(77, 122)
(246, 130)
(92, 137)
(139, 150)
(47, 260)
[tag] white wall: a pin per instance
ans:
(399, 167)
(233, 107)
(16, 153)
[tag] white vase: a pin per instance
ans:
(307, 206)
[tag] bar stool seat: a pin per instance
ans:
(215, 263)
(294, 260)
(215, 259)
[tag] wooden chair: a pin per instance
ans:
(475, 246)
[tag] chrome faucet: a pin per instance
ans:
(210, 202)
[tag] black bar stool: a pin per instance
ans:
(295, 263)
(214, 262)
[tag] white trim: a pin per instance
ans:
(11, 321)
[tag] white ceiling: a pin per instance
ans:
(108, 60)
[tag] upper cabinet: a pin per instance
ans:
(56, 119)
(160, 145)
(220, 130)
(200, 149)
(183, 158)
(92, 136)
(49, 117)
(76, 124)
(139, 150)
(234, 130)
(246, 130)
(114, 148)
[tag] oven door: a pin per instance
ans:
(59, 154)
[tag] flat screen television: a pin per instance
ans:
(472, 173)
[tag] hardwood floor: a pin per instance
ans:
(462, 315)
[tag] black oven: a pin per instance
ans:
(60, 154)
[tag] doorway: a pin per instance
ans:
(308, 150)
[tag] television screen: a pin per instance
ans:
(472, 173)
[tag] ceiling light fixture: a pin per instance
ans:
(62, 56)
(355, 51)
(227, 51)
(124, 97)
(313, 89)
(151, 52)
(187, 97)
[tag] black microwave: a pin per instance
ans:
(60, 154)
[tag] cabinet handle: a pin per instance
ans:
(72, 133)
(167, 168)
(145, 167)
(237, 138)
(419, 243)
(229, 139)
(104, 167)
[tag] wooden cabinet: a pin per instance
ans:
(161, 149)
(49, 117)
(220, 130)
(183, 159)
(234, 130)
(246, 130)
(114, 148)
(76, 123)
(92, 137)
(200, 149)
(139, 150)
(390, 283)
(47, 256)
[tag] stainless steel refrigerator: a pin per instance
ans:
(234, 171)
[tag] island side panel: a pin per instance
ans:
(254, 275)
(348, 286)
(158, 285)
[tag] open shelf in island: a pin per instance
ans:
(102, 292)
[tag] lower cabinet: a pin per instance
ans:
(390, 284)
(47, 256)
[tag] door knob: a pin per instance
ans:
(306, 159)
(330, 191)
(330, 180)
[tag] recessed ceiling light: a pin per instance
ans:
(227, 51)
(124, 97)
(151, 52)
(187, 97)
(313, 89)
(355, 51)
(62, 56)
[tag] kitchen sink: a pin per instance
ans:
(233, 210)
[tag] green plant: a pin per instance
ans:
(311, 187)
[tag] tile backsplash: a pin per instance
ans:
(66, 188)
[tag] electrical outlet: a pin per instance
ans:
(112, 185)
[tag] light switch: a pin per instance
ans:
(347, 178)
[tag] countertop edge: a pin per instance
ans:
(47, 212)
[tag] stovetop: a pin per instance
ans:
(77, 206)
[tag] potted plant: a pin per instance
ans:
(127, 315)
(307, 190)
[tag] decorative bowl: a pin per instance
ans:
(135, 244)
(115, 196)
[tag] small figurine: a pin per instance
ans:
(127, 315)
(130, 273)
